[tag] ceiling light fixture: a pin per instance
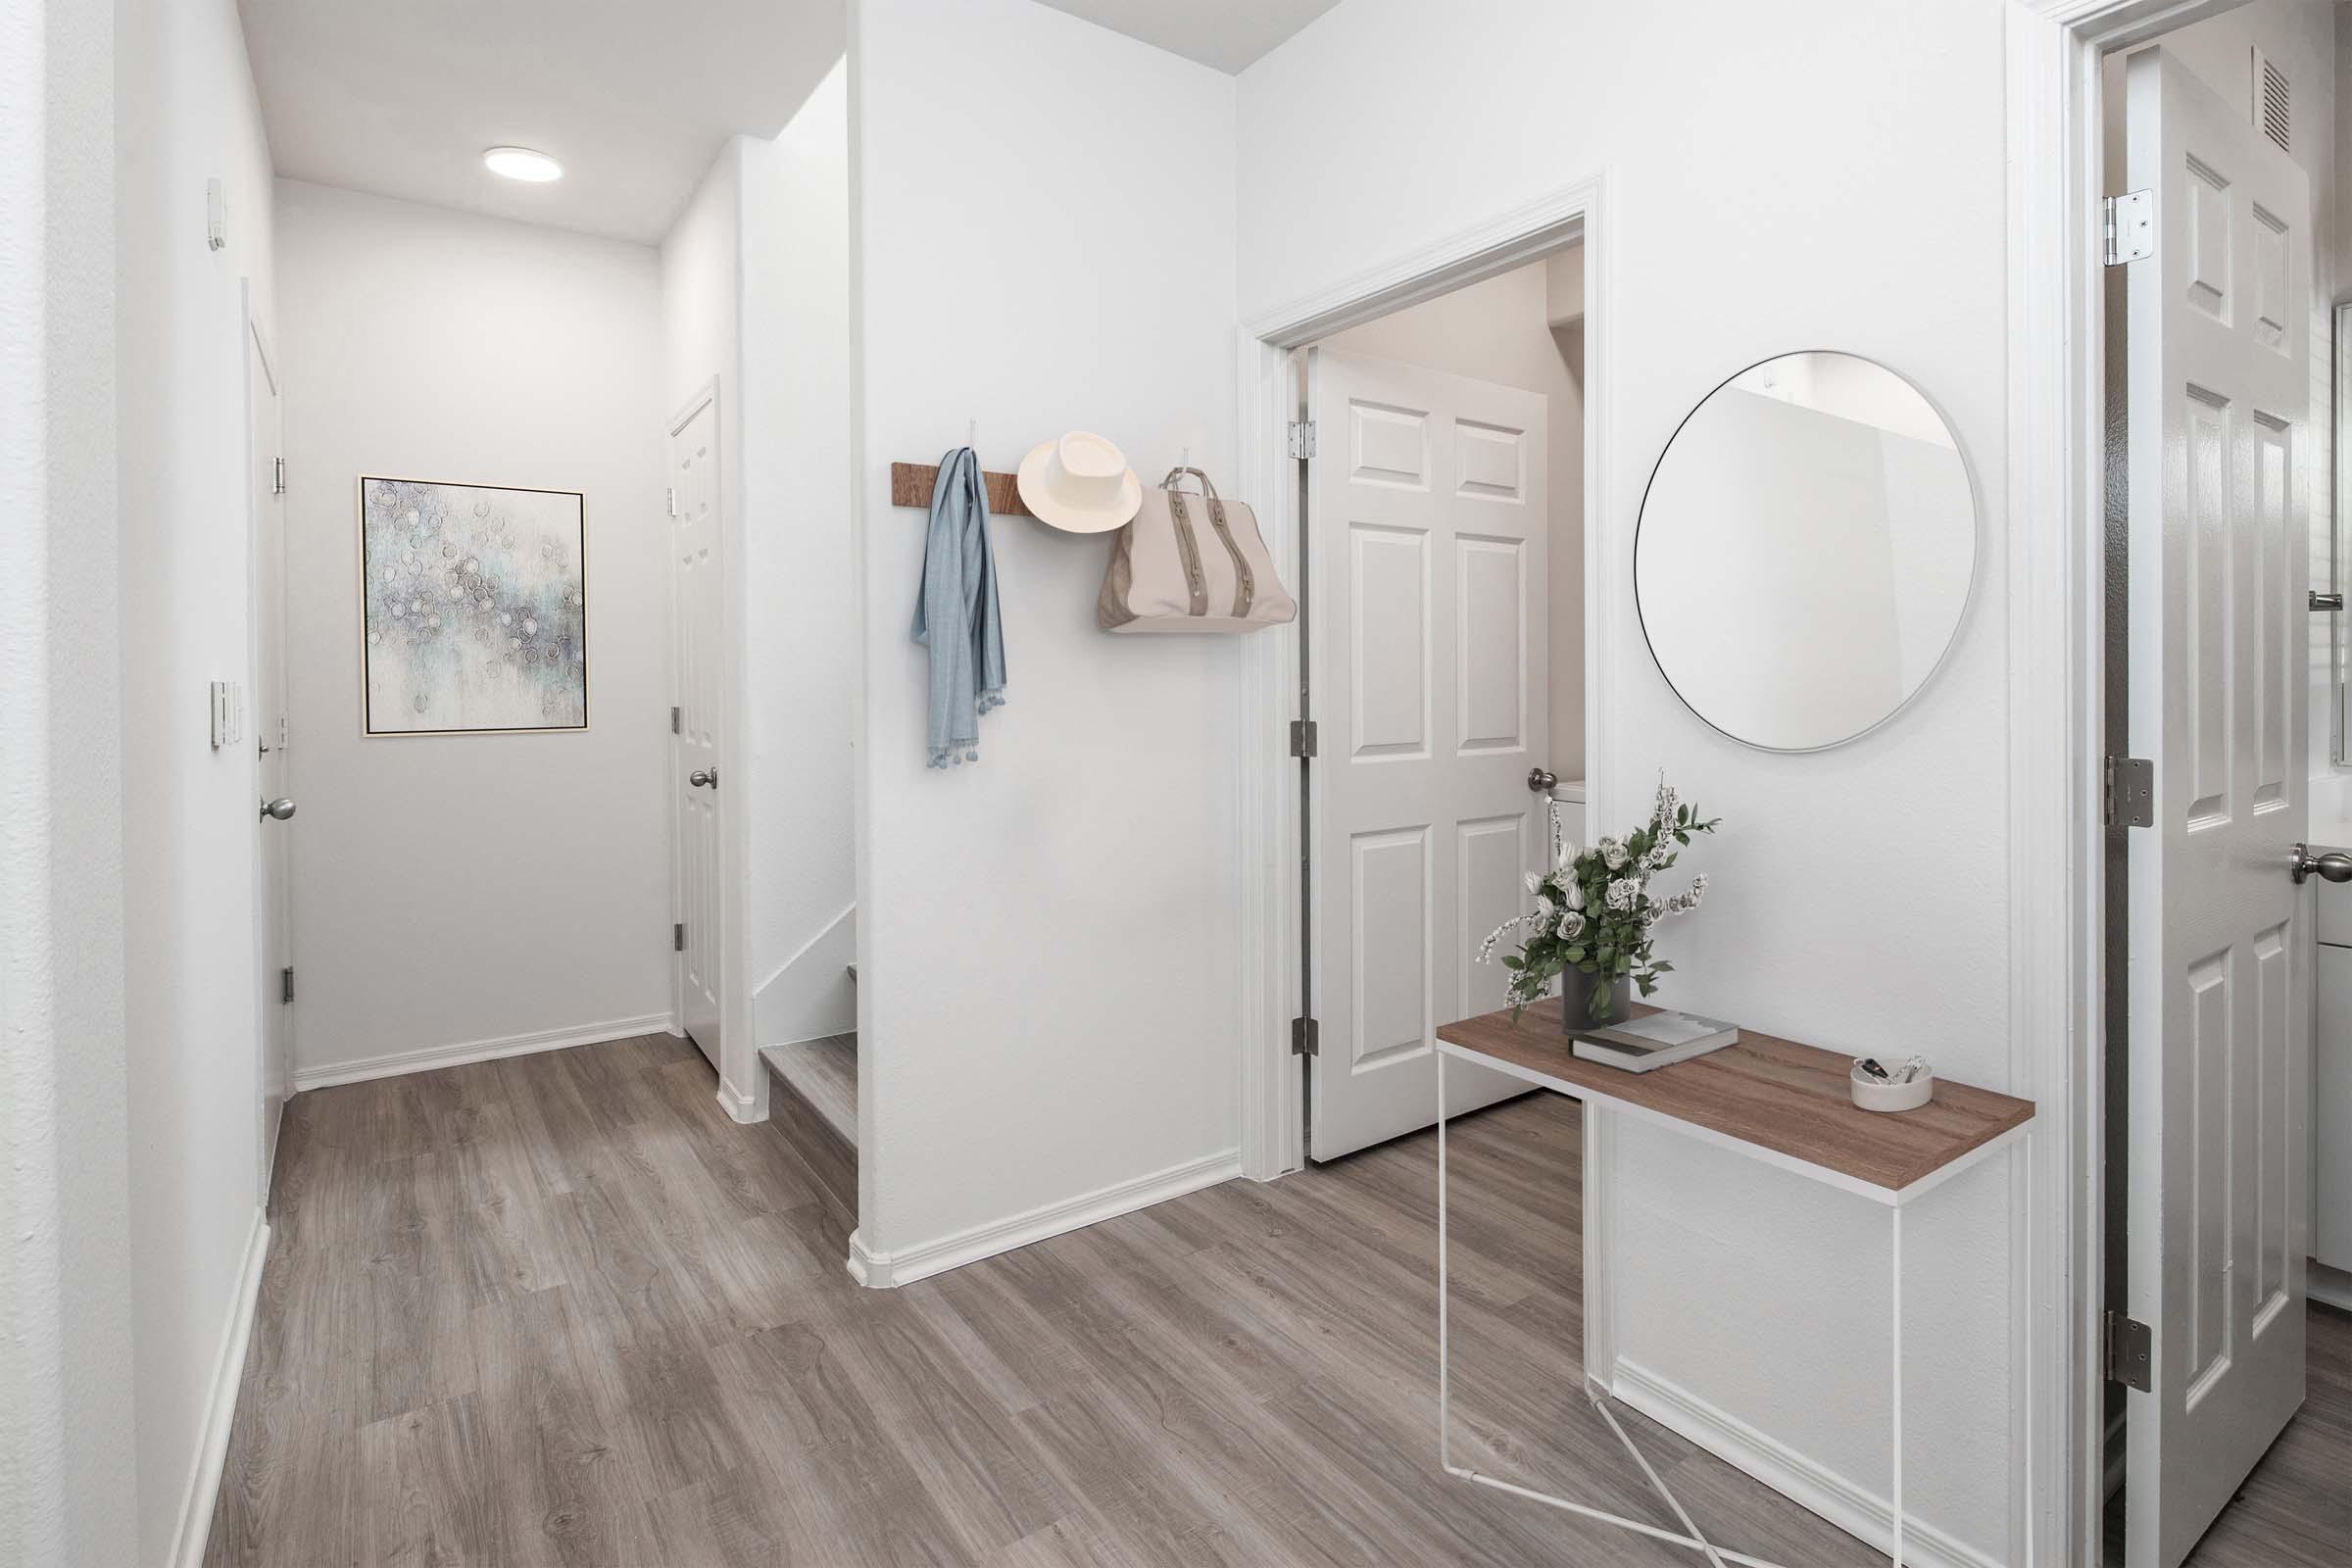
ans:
(521, 162)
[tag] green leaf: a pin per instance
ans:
(1575, 955)
(1511, 962)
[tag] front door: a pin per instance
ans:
(2219, 327)
(1427, 530)
(699, 565)
(267, 734)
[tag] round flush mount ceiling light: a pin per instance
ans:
(521, 162)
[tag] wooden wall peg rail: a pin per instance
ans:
(911, 486)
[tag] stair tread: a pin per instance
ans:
(824, 1072)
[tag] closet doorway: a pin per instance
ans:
(1437, 446)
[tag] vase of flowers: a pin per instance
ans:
(1595, 918)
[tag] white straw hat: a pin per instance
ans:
(1080, 483)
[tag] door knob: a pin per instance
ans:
(281, 808)
(1540, 779)
(2334, 866)
(704, 778)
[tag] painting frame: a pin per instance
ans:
(369, 728)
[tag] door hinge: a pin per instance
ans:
(2128, 227)
(285, 984)
(277, 477)
(1303, 737)
(2328, 603)
(2130, 1353)
(2130, 793)
(672, 502)
(677, 717)
(1303, 438)
(1306, 1038)
(677, 937)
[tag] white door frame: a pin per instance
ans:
(1267, 785)
(2056, 458)
(258, 337)
(742, 1083)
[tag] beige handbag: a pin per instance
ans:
(1192, 563)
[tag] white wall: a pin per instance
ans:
(801, 626)
(448, 889)
(186, 112)
(1044, 241)
(702, 345)
(1752, 156)
(1499, 329)
(67, 1466)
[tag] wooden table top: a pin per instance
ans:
(1785, 1098)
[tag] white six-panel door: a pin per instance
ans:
(698, 563)
(1427, 527)
(2221, 947)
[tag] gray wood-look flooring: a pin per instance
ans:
(825, 1072)
(560, 1309)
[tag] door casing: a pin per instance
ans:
(2056, 451)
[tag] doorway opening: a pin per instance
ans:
(1442, 561)
(2226, 1170)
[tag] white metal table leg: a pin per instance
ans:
(1895, 1383)
(1444, 1400)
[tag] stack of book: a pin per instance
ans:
(1656, 1040)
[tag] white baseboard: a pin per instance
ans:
(1852, 1508)
(220, 1403)
(741, 1107)
(457, 1056)
(2329, 1285)
(885, 1270)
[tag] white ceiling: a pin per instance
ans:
(1228, 34)
(399, 97)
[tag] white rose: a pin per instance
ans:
(1571, 923)
(1613, 855)
(1623, 892)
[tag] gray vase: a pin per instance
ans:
(1576, 1000)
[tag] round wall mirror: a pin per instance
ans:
(1805, 551)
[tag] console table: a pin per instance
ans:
(1774, 1101)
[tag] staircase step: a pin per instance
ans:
(814, 1103)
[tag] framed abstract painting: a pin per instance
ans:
(473, 608)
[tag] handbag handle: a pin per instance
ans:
(1245, 580)
(1175, 480)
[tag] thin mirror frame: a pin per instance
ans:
(1968, 598)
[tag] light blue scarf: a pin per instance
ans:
(957, 614)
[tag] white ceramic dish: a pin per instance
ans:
(1872, 1095)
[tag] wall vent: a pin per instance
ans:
(2271, 109)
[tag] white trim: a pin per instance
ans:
(740, 1106)
(1266, 792)
(887, 1270)
(1805, 1482)
(220, 1403)
(2056, 735)
(394, 1063)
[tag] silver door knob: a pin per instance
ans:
(704, 778)
(281, 808)
(2334, 866)
(1540, 779)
